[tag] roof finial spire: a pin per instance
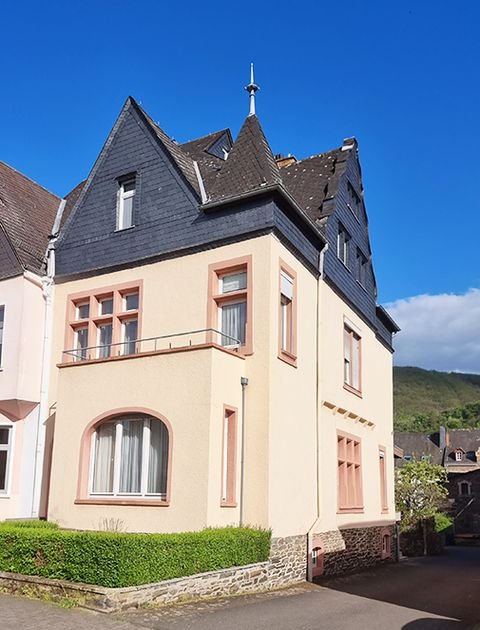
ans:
(251, 88)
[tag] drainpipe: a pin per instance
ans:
(47, 283)
(317, 417)
(244, 383)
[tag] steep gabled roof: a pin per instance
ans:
(183, 162)
(250, 164)
(209, 163)
(314, 180)
(27, 213)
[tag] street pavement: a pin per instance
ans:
(436, 593)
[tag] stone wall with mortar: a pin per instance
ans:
(287, 565)
(349, 549)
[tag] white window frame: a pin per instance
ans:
(458, 456)
(123, 336)
(117, 462)
(122, 195)
(78, 348)
(343, 239)
(2, 333)
(9, 448)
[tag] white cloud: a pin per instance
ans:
(439, 332)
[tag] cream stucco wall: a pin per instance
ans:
(285, 417)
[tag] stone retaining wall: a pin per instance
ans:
(287, 565)
(349, 549)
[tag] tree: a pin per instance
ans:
(420, 489)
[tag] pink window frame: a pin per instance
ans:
(215, 298)
(289, 357)
(352, 485)
(117, 318)
(83, 497)
(230, 500)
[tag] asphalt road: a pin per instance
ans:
(438, 593)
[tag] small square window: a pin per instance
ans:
(131, 302)
(83, 310)
(106, 306)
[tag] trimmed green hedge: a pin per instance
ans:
(119, 559)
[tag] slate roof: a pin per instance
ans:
(209, 164)
(27, 213)
(418, 444)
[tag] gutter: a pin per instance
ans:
(317, 421)
(47, 286)
(272, 188)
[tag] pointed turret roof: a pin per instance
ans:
(250, 164)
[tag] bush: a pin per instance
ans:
(120, 559)
(29, 523)
(443, 522)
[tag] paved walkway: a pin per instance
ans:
(441, 593)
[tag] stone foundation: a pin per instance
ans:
(349, 549)
(287, 565)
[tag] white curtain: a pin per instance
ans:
(105, 340)
(158, 458)
(104, 457)
(131, 456)
(234, 318)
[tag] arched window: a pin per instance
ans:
(129, 457)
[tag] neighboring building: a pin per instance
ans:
(458, 450)
(219, 356)
(27, 214)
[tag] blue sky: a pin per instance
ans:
(402, 77)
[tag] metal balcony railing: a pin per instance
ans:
(191, 338)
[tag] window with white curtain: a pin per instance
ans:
(351, 358)
(130, 457)
(232, 314)
(126, 195)
(2, 319)
(5, 448)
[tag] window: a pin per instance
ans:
(351, 359)
(343, 240)
(126, 194)
(459, 455)
(229, 304)
(229, 457)
(5, 448)
(464, 488)
(386, 546)
(354, 201)
(383, 479)
(2, 319)
(287, 315)
(129, 457)
(362, 266)
(104, 323)
(350, 496)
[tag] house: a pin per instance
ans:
(218, 354)
(27, 215)
(458, 450)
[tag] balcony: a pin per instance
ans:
(163, 344)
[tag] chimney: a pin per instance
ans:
(443, 438)
(349, 143)
(285, 160)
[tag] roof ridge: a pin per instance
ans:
(207, 135)
(32, 181)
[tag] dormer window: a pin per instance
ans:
(459, 455)
(126, 194)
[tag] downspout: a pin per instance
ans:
(244, 383)
(317, 417)
(47, 283)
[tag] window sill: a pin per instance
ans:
(361, 285)
(143, 502)
(228, 504)
(385, 510)
(352, 390)
(351, 510)
(286, 357)
(346, 266)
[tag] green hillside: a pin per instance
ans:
(423, 399)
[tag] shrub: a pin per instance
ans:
(443, 522)
(120, 559)
(29, 523)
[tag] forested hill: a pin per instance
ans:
(424, 399)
